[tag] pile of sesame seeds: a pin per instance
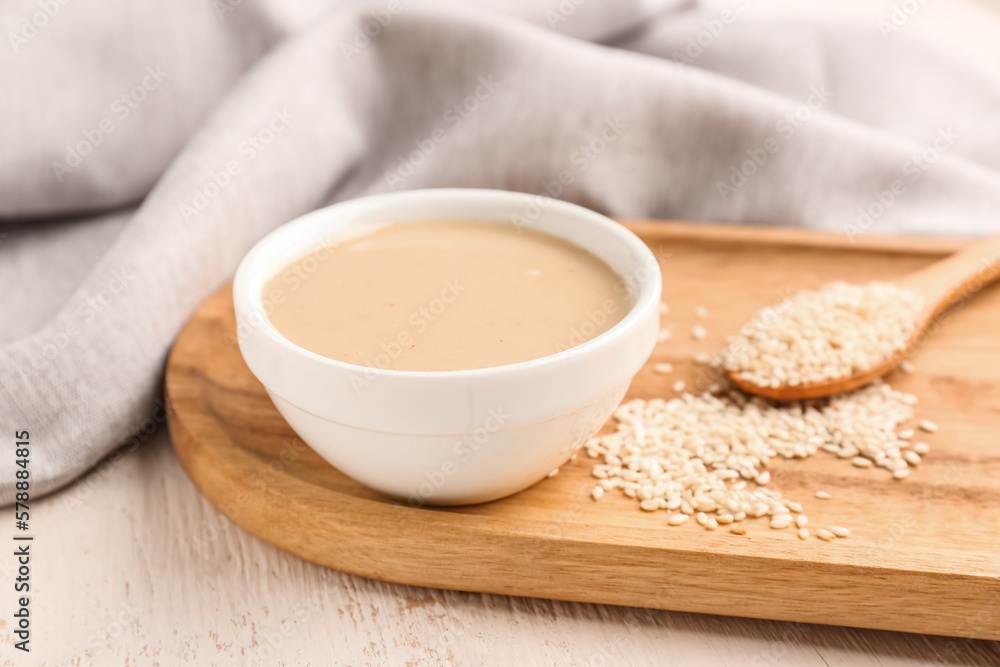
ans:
(824, 334)
(707, 456)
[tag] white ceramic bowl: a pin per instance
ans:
(449, 437)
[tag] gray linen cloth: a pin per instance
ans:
(146, 146)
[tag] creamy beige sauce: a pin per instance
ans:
(445, 295)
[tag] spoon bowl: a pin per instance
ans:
(943, 284)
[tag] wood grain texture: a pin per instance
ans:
(923, 556)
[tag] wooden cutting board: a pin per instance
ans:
(924, 555)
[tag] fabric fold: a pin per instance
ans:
(440, 96)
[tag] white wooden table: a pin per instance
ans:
(132, 567)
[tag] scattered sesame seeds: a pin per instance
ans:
(678, 386)
(825, 534)
(928, 426)
(707, 456)
(698, 332)
(824, 334)
(663, 368)
(701, 312)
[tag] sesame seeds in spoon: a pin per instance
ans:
(841, 337)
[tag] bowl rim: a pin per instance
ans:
(247, 301)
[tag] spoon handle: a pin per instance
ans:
(958, 276)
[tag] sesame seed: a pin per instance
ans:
(906, 366)
(906, 434)
(649, 505)
(553, 473)
(781, 522)
(824, 534)
(597, 492)
(801, 521)
(738, 530)
(701, 312)
(803, 533)
(840, 531)
(698, 332)
(912, 458)
(664, 308)
(677, 519)
(928, 425)
(902, 473)
(823, 495)
(678, 386)
(663, 335)
(703, 358)
(921, 448)
(861, 462)
(663, 368)
(763, 478)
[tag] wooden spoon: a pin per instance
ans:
(956, 278)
